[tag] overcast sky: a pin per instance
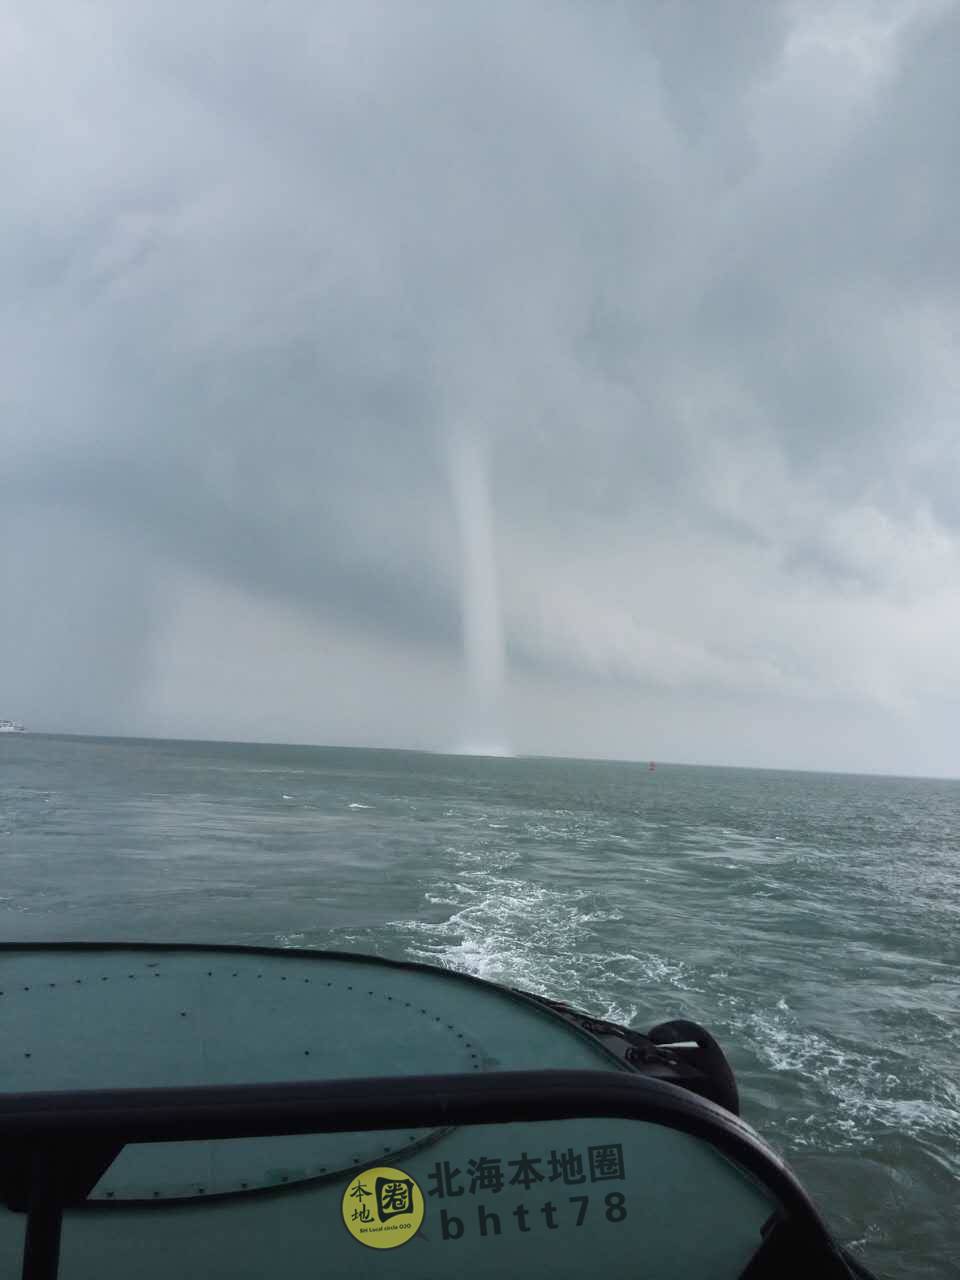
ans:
(687, 274)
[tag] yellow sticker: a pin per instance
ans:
(382, 1207)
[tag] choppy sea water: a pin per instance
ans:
(812, 921)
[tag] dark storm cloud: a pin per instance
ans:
(692, 269)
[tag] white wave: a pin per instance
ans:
(866, 1095)
(359, 806)
(555, 942)
(550, 941)
(506, 929)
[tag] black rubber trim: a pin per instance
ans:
(206, 1112)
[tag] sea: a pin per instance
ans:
(811, 921)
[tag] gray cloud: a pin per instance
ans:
(692, 272)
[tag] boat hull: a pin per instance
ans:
(322, 1109)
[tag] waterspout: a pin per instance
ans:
(483, 641)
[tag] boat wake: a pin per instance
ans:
(501, 926)
(864, 1095)
(549, 941)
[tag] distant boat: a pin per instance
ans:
(651, 768)
(11, 726)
